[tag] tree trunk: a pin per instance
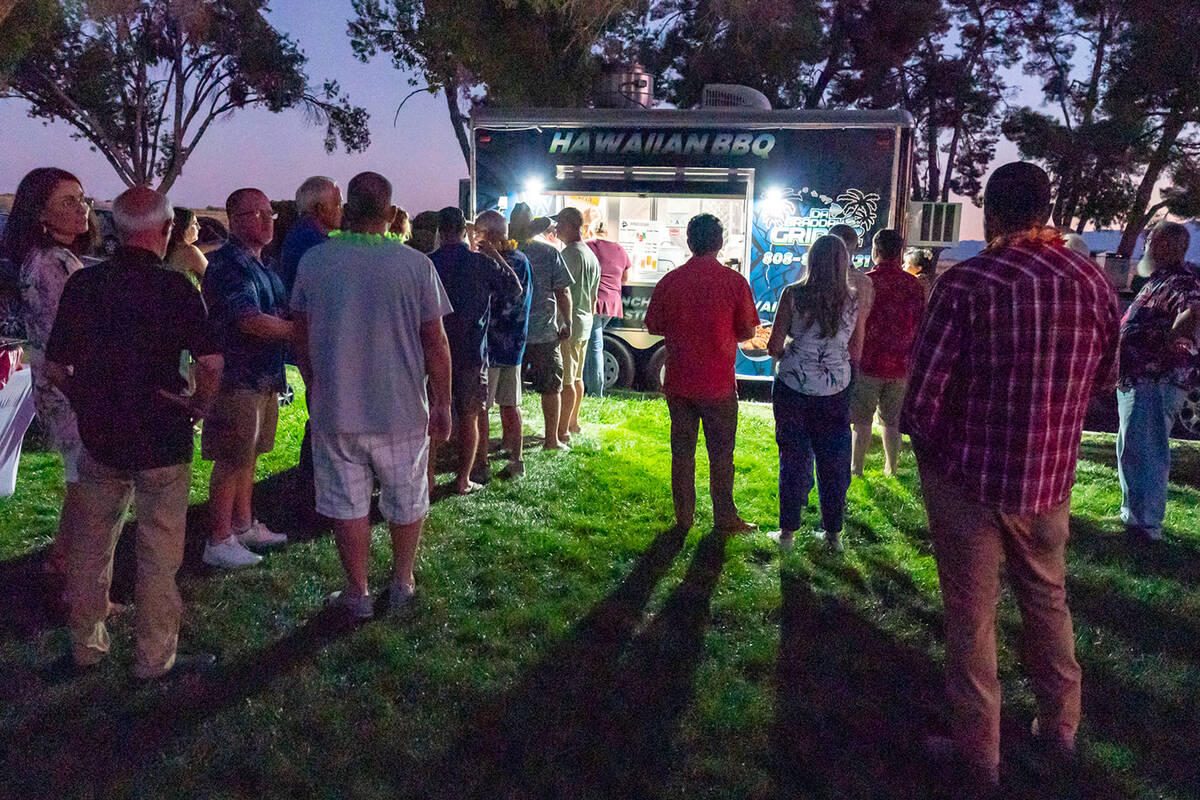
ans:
(932, 171)
(1136, 219)
(457, 120)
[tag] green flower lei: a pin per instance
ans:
(371, 239)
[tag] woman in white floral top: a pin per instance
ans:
(46, 231)
(814, 338)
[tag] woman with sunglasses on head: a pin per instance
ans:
(46, 234)
(814, 339)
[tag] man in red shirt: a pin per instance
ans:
(703, 309)
(890, 329)
(1014, 343)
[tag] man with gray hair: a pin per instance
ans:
(506, 334)
(1158, 367)
(319, 204)
(123, 329)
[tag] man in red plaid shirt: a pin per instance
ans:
(1014, 343)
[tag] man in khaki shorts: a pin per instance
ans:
(247, 307)
(549, 316)
(585, 285)
(889, 331)
(507, 331)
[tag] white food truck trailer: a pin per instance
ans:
(776, 179)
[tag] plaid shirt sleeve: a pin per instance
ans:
(941, 343)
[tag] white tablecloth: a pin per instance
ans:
(16, 412)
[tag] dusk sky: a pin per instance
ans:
(277, 151)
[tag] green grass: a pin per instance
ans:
(563, 645)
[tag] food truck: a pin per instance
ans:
(776, 179)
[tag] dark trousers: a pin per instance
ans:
(720, 432)
(809, 427)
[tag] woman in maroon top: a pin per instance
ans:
(614, 273)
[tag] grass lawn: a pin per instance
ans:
(565, 644)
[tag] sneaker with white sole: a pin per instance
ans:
(358, 606)
(229, 553)
(259, 535)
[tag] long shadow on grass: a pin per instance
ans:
(100, 743)
(584, 722)
(854, 703)
(31, 599)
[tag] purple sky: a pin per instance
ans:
(275, 152)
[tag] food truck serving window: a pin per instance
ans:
(646, 210)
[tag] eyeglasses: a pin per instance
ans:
(262, 215)
(72, 202)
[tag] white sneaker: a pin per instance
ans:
(259, 535)
(229, 553)
(358, 606)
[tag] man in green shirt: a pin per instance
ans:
(585, 277)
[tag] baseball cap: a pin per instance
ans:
(569, 215)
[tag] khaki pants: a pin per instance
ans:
(720, 433)
(161, 497)
(970, 543)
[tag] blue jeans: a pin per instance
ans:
(593, 364)
(1147, 413)
(809, 427)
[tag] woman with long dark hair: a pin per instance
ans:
(182, 253)
(46, 234)
(813, 337)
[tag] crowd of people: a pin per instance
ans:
(407, 331)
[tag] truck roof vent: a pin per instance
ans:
(732, 95)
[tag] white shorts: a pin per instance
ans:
(504, 386)
(346, 465)
(72, 454)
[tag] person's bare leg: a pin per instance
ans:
(859, 447)
(573, 426)
(468, 442)
(567, 405)
(550, 412)
(512, 430)
(405, 539)
(223, 487)
(353, 537)
(243, 514)
(891, 449)
(485, 440)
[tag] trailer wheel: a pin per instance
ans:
(619, 369)
(655, 371)
(1189, 414)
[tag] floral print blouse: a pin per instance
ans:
(43, 276)
(813, 365)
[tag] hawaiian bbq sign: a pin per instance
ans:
(655, 143)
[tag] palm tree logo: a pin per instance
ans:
(860, 206)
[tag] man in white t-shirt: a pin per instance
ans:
(369, 313)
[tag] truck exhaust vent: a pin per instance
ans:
(732, 95)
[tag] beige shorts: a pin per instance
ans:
(240, 427)
(504, 387)
(573, 355)
(867, 394)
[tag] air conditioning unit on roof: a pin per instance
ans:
(933, 224)
(732, 95)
